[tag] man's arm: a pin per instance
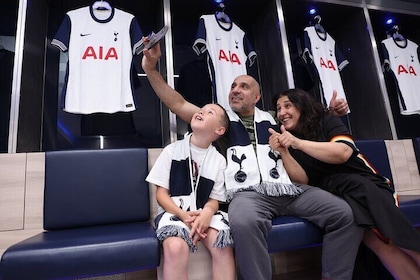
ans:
(170, 97)
(338, 106)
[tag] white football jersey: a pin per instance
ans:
(100, 45)
(228, 52)
(403, 61)
(328, 61)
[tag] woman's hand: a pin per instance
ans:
(285, 139)
(293, 168)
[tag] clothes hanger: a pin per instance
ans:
(398, 37)
(395, 34)
(221, 15)
(101, 5)
(317, 24)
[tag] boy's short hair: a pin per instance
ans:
(224, 118)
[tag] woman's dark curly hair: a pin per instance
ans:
(311, 112)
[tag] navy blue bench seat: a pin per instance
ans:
(297, 233)
(96, 218)
(410, 205)
(376, 152)
(290, 233)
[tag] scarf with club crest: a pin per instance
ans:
(259, 170)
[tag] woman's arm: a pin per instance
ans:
(328, 152)
(294, 169)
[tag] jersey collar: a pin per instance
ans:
(108, 19)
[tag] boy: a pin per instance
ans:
(189, 175)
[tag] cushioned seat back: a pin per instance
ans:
(95, 187)
(376, 153)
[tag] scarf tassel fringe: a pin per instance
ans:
(269, 189)
(223, 239)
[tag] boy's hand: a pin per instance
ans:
(188, 217)
(200, 225)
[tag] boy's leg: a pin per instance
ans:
(342, 236)
(175, 258)
(223, 262)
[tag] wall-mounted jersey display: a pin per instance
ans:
(320, 50)
(101, 42)
(401, 57)
(228, 52)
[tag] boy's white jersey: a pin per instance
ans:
(100, 46)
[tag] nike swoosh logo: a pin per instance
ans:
(396, 56)
(218, 39)
(85, 34)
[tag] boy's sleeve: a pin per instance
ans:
(159, 174)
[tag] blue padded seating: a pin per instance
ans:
(297, 233)
(96, 218)
(376, 152)
(289, 233)
(410, 205)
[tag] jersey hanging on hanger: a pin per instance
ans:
(228, 52)
(403, 60)
(328, 61)
(100, 45)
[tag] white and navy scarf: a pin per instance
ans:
(262, 171)
(184, 195)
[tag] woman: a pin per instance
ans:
(317, 149)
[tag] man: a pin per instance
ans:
(258, 186)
